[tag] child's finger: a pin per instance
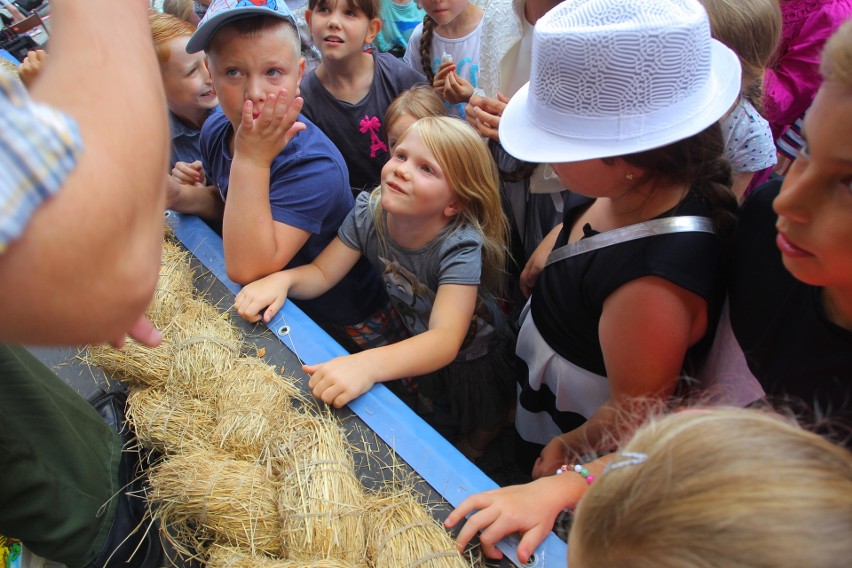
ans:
(310, 369)
(247, 118)
(273, 308)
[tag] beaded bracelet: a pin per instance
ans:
(583, 472)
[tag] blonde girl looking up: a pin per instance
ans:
(436, 232)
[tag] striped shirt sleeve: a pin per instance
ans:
(39, 146)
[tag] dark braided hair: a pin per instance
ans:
(426, 48)
(699, 163)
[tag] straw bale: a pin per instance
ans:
(320, 498)
(402, 533)
(222, 557)
(168, 422)
(174, 286)
(202, 496)
(206, 346)
(254, 406)
(134, 363)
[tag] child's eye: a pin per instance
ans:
(192, 72)
(427, 168)
(232, 72)
(399, 156)
(351, 13)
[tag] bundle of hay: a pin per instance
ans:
(174, 286)
(402, 533)
(134, 363)
(254, 405)
(169, 422)
(320, 498)
(206, 347)
(222, 557)
(203, 497)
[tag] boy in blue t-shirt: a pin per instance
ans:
(285, 185)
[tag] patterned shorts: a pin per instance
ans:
(382, 327)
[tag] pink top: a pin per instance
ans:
(791, 82)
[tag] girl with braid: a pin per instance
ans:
(446, 48)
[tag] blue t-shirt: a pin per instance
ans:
(309, 190)
(186, 141)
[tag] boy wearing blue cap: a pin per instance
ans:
(285, 185)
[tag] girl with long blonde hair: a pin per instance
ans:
(435, 230)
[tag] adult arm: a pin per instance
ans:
(346, 378)
(85, 267)
(646, 327)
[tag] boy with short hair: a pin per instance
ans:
(285, 185)
(191, 100)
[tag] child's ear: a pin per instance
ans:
(453, 208)
(301, 74)
(373, 30)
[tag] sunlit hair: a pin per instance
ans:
(837, 56)
(419, 101)
(369, 8)
(166, 28)
(723, 487)
(752, 29)
(183, 9)
(254, 26)
(470, 170)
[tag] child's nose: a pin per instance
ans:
(255, 91)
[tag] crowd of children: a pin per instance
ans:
(601, 158)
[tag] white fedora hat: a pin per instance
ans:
(615, 77)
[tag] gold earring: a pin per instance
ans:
(629, 176)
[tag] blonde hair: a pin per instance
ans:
(752, 29)
(182, 9)
(419, 101)
(724, 487)
(164, 29)
(469, 168)
(837, 56)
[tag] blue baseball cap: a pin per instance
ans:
(220, 12)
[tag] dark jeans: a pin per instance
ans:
(58, 463)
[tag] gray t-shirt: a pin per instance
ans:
(412, 276)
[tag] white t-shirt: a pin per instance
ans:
(464, 51)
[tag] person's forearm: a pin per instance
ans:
(89, 258)
(424, 353)
(248, 229)
(202, 201)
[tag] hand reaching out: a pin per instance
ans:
(264, 132)
(343, 379)
(266, 295)
(31, 67)
(529, 509)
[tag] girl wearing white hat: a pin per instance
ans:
(623, 102)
